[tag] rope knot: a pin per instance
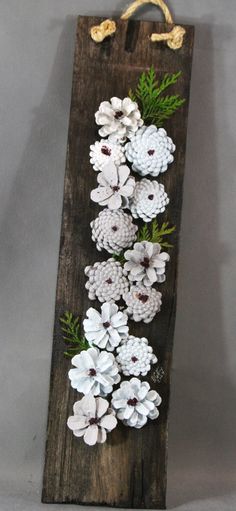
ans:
(105, 29)
(174, 38)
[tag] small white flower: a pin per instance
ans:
(148, 200)
(146, 263)
(92, 419)
(106, 281)
(104, 152)
(142, 302)
(120, 118)
(135, 403)
(108, 329)
(150, 151)
(94, 372)
(115, 186)
(135, 356)
(113, 230)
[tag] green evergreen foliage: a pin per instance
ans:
(70, 327)
(156, 234)
(156, 108)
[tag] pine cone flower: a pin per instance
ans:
(106, 281)
(92, 419)
(135, 403)
(135, 356)
(115, 186)
(146, 263)
(148, 200)
(95, 372)
(142, 302)
(120, 118)
(108, 329)
(113, 231)
(150, 150)
(104, 152)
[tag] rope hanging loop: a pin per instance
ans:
(174, 38)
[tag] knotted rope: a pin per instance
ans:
(174, 38)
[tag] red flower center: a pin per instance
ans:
(109, 281)
(143, 298)
(151, 197)
(105, 150)
(93, 420)
(92, 372)
(114, 228)
(106, 324)
(118, 114)
(145, 263)
(132, 402)
(151, 152)
(115, 188)
(134, 359)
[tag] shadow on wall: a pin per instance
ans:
(202, 433)
(31, 231)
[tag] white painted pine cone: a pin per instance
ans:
(107, 329)
(135, 403)
(135, 356)
(92, 419)
(115, 186)
(95, 372)
(148, 200)
(142, 303)
(106, 281)
(150, 151)
(113, 231)
(146, 263)
(118, 117)
(105, 151)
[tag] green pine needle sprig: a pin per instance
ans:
(72, 337)
(156, 234)
(154, 106)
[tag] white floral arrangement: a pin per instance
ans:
(109, 352)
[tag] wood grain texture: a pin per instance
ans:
(130, 469)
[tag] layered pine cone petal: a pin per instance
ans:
(148, 200)
(150, 151)
(142, 302)
(135, 356)
(105, 151)
(113, 231)
(106, 281)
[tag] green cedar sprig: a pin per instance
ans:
(70, 327)
(156, 234)
(156, 108)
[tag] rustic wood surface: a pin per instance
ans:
(129, 470)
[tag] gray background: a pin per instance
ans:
(36, 51)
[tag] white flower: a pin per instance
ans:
(115, 186)
(94, 372)
(142, 303)
(104, 152)
(108, 329)
(92, 419)
(119, 117)
(135, 356)
(150, 151)
(148, 200)
(135, 403)
(107, 281)
(113, 230)
(146, 263)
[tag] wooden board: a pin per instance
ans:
(130, 469)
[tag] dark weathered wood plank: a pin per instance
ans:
(130, 469)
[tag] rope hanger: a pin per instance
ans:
(174, 38)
